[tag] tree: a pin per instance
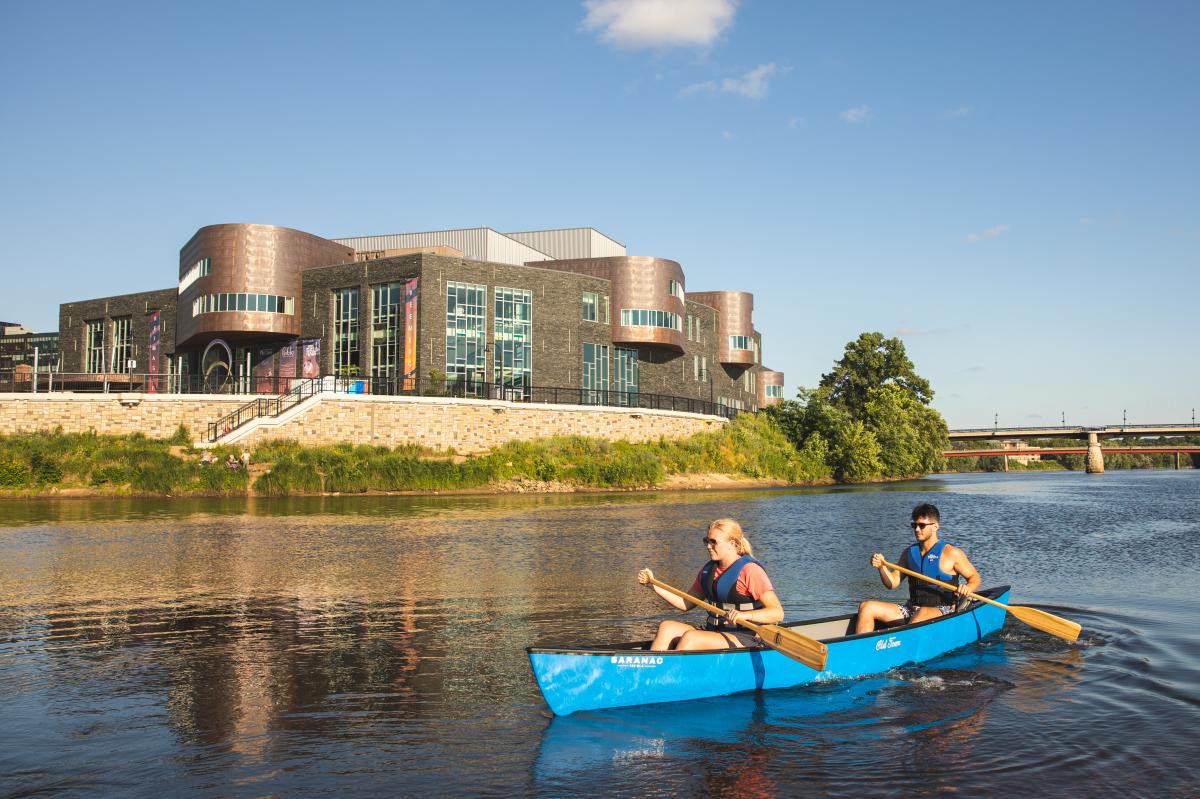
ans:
(870, 362)
(912, 437)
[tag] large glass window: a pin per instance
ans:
(625, 375)
(590, 302)
(122, 349)
(595, 373)
(198, 270)
(259, 303)
(93, 345)
(345, 332)
(676, 289)
(774, 391)
(386, 318)
(512, 361)
(466, 335)
(741, 343)
(634, 317)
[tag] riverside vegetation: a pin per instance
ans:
(869, 419)
(750, 446)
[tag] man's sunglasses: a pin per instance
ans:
(921, 525)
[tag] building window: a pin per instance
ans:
(632, 317)
(595, 373)
(625, 375)
(590, 303)
(695, 367)
(258, 303)
(466, 335)
(689, 327)
(728, 404)
(93, 345)
(512, 360)
(386, 318)
(122, 350)
(676, 289)
(740, 343)
(774, 392)
(749, 382)
(198, 270)
(345, 332)
(604, 309)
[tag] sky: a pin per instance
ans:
(1011, 189)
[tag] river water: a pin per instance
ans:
(352, 646)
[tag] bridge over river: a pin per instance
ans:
(1094, 451)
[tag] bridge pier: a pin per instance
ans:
(1095, 456)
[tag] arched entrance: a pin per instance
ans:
(217, 366)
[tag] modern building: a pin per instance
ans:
(20, 346)
(494, 314)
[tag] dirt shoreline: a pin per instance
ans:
(679, 482)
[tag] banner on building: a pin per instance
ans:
(312, 357)
(152, 354)
(264, 372)
(287, 365)
(409, 371)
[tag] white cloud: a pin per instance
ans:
(856, 115)
(727, 135)
(640, 24)
(753, 84)
(990, 233)
(960, 112)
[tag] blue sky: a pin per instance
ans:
(1010, 188)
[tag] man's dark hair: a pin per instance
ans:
(926, 511)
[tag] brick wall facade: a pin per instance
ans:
(154, 415)
(73, 316)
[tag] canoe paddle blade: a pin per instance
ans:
(1046, 622)
(798, 647)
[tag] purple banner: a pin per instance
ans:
(152, 354)
(287, 365)
(312, 357)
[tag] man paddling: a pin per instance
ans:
(931, 557)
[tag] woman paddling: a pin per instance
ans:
(731, 579)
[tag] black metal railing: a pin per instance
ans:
(141, 382)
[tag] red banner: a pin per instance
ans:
(411, 300)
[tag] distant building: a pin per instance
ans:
(498, 313)
(19, 345)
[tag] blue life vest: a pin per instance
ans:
(723, 592)
(923, 594)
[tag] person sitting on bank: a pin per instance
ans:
(206, 458)
(929, 556)
(731, 579)
(232, 462)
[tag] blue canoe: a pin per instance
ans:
(588, 678)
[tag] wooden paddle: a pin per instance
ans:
(799, 647)
(1039, 619)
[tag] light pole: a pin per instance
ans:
(1064, 418)
(995, 422)
(1122, 418)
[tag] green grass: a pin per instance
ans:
(750, 446)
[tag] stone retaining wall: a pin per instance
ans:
(155, 415)
(469, 426)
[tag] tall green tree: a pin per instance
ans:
(872, 361)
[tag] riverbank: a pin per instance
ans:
(750, 452)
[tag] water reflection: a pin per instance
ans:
(375, 645)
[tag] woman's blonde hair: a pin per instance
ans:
(734, 531)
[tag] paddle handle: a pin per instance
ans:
(686, 597)
(912, 573)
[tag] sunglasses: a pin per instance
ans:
(710, 542)
(921, 525)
